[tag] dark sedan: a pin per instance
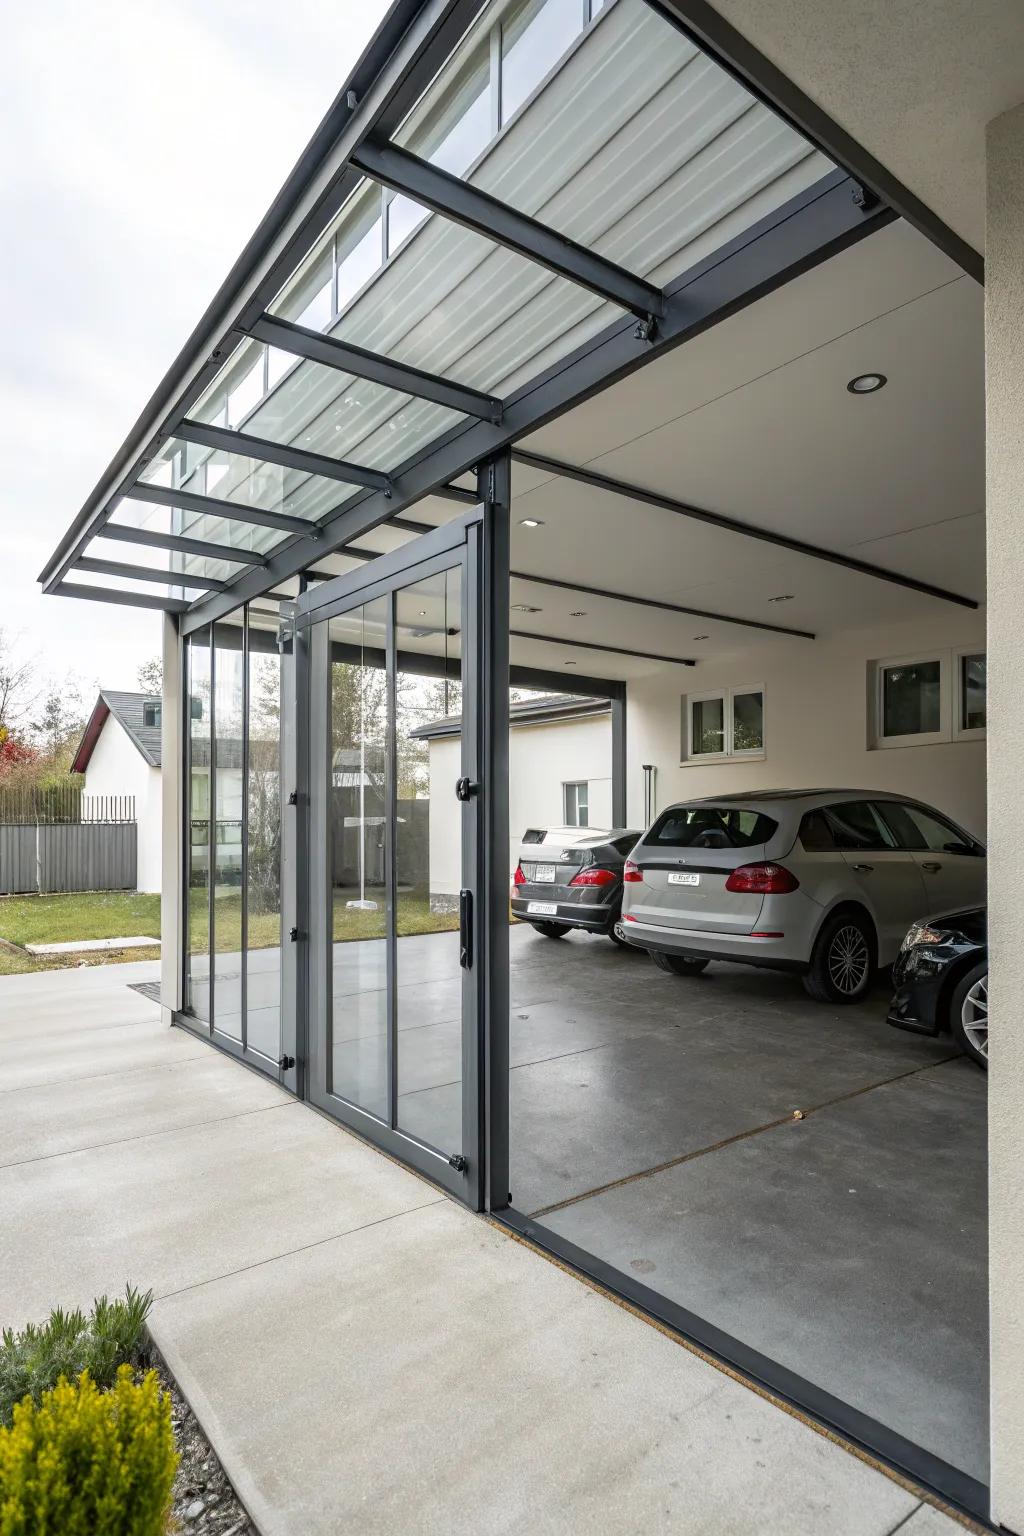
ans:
(941, 977)
(571, 877)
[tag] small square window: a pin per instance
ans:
(912, 698)
(151, 714)
(576, 804)
(723, 725)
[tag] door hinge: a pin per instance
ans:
(458, 1162)
(293, 798)
(296, 935)
(286, 1063)
(465, 789)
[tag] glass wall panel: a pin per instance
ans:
(533, 39)
(357, 1043)
(263, 845)
(228, 756)
(197, 875)
(428, 863)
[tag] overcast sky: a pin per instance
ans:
(141, 142)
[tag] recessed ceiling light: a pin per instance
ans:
(525, 608)
(867, 383)
(531, 522)
(783, 597)
(702, 637)
(423, 613)
(568, 663)
(578, 613)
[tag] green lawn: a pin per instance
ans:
(126, 914)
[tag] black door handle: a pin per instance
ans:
(863, 869)
(933, 869)
(466, 929)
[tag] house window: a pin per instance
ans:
(576, 803)
(151, 714)
(928, 699)
(726, 724)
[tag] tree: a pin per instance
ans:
(17, 686)
(151, 675)
(59, 724)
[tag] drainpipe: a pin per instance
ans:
(650, 806)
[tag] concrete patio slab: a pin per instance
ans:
(77, 1052)
(72, 1115)
(34, 1013)
(180, 1207)
(450, 1350)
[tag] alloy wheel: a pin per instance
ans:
(974, 1016)
(848, 960)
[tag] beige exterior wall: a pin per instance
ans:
(817, 723)
(1004, 349)
(541, 759)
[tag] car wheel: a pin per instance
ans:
(678, 965)
(843, 960)
(968, 1013)
(552, 930)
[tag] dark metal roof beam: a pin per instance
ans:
(177, 543)
(457, 493)
(652, 602)
(733, 525)
(457, 200)
(592, 645)
(123, 599)
(212, 506)
(718, 38)
(332, 353)
(103, 567)
(226, 440)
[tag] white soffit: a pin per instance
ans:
(914, 84)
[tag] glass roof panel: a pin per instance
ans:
(164, 559)
(621, 134)
(246, 481)
(212, 528)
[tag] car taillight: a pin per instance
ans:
(593, 877)
(632, 872)
(762, 880)
(519, 878)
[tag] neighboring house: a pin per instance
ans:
(119, 754)
(559, 774)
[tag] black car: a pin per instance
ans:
(571, 877)
(941, 976)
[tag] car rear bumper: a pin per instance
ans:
(736, 948)
(595, 916)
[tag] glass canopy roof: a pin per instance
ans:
(512, 201)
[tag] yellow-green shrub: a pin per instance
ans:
(89, 1463)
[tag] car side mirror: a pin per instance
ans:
(971, 850)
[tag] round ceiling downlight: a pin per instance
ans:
(867, 383)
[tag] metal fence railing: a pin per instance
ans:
(61, 804)
(61, 840)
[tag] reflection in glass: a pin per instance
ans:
(747, 722)
(357, 858)
(197, 946)
(227, 828)
(911, 704)
(532, 42)
(359, 256)
(263, 848)
(428, 863)
(452, 126)
(973, 683)
(708, 726)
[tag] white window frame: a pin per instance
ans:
(950, 698)
(961, 732)
(577, 785)
(729, 752)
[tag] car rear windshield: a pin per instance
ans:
(710, 826)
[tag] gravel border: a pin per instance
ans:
(205, 1503)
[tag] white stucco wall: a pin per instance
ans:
(816, 723)
(541, 759)
(1004, 354)
(117, 767)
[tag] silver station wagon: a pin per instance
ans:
(823, 882)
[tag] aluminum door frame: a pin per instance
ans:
(456, 545)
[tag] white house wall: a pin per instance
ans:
(816, 723)
(117, 767)
(542, 758)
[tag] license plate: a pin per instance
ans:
(542, 908)
(544, 874)
(684, 879)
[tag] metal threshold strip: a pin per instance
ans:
(868, 1436)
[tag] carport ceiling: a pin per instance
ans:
(754, 420)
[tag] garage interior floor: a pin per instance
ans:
(652, 1125)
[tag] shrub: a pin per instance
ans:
(89, 1463)
(33, 1361)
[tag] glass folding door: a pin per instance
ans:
(392, 856)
